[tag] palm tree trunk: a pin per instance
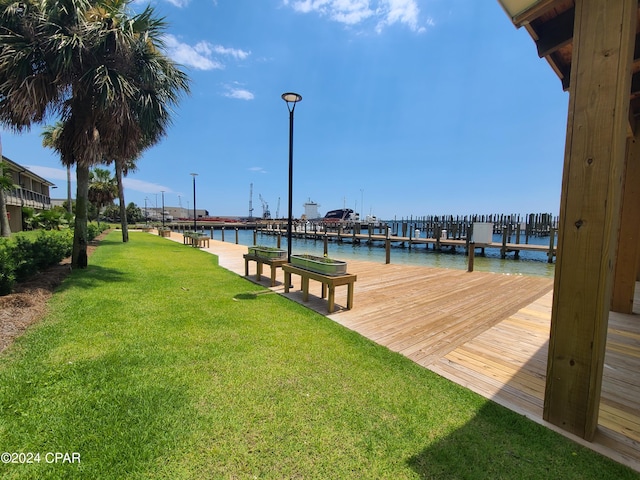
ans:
(79, 254)
(123, 207)
(69, 206)
(5, 228)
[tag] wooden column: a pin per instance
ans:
(624, 280)
(603, 46)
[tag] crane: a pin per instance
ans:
(265, 208)
(251, 202)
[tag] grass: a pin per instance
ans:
(156, 363)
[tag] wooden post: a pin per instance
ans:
(624, 280)
(387, 247)
(603, 46)
(278, 239)
(503, 249)
(552, 238)
(472, 256)
(326, 244)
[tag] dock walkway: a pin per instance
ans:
(436, 243)
(487, 332)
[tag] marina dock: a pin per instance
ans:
(487, 332)
(437, 243)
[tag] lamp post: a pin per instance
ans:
(162, 208)
(194, 175)
(291, 99)
(146, 215)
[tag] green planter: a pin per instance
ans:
(270, 253)
(323, 265)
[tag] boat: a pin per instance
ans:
(340, 215)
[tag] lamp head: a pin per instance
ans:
(291, 98)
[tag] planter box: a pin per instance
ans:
(268, 252)
(325, 266)
(164, 233)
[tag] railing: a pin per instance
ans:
(28, 198)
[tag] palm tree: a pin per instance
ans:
(50, 136)
(101, 69)
(6, 184)
(102, 189)
(122, 170)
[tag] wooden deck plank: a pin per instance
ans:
(484, 331)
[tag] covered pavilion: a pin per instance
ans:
(594, 48)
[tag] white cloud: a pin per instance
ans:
(201, 55)
(400, 11)
(353, 12)
(50, 173)
(190, 56)
(175, 3)
(233, 52)
(237, 92)
(179, 3)
(257, 170)
(144, 187)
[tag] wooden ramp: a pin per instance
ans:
(488, 332)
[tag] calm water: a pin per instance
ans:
(530, 263)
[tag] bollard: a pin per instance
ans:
(223, 234)
(278, 239)
(255, 237)
(326, 245)
(236, 235)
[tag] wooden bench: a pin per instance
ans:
(274, 263)
(331, 281)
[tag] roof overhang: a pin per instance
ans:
(550, 25)
(519, 10)
(19, 168)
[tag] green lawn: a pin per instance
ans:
(156, 363)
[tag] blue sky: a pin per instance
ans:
(410, 108)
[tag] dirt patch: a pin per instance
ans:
(28, 302)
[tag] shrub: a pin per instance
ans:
(7, 266)
(93, 231)
(24, 255)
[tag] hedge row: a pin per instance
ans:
(21, 256)
(25, 254)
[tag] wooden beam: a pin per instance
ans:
(603, 44)
(533, 12)
(624, 281)
(555, 33)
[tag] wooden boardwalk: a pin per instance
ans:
(436, 243)
(488, 332)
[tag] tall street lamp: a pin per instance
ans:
(162, 208)
(194, 175)
(291, 99)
